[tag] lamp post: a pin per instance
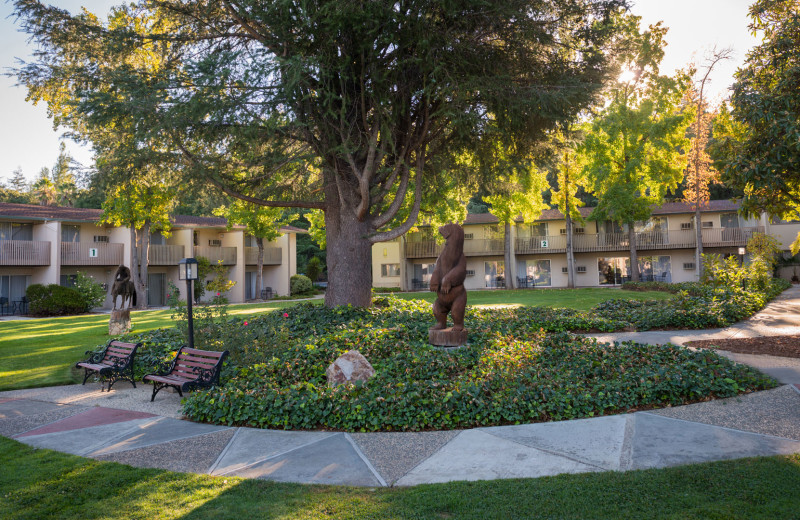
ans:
(187, 270)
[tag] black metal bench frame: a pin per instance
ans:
(191, 369)
(111, 364)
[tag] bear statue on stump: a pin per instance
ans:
(447, 281)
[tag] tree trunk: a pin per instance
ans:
(634, 257)
(511, 277)
(140, 273)
(699, 249)
(260, 267)
(349, 258)
(570, 252)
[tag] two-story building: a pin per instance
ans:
(47, 244)
(665, 247)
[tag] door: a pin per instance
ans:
(156, 289)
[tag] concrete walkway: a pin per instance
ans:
(124, 426)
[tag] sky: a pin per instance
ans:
(28, 140)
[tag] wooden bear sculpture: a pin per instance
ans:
(447, 280)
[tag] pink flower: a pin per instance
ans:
(245, 323)
(285, 314)
(217, 294)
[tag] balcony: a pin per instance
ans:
(541, 244)
(272, 256)
(423, 249)
(484, 247)
(22, 253)
(165, 255)
(91, 253)
(729, 237)
(227, 255)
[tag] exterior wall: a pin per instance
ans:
(49, 232)
(235, 238)
(386, 253)
(785, 233)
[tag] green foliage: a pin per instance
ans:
(635, 149)
(54, 300)
(765, 248)
(260, 221)
(756, 143)
(220, 283)
(91, 292)
(300, 285)
(314, 268)
(203, 271)
(512, 372)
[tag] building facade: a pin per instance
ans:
(50, 245)
(665, 247)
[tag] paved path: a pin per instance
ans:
(124, 426)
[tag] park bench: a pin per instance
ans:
(113, 363)
(190, 369)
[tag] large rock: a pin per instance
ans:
(349, 367)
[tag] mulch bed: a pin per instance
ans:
(784, 346)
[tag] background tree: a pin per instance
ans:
(700, 172)
(142, 206)
(18, 182)
(359, 109)
(43, 189)
(569, 179)
(635, 148)
(756, 145)
(261, 222)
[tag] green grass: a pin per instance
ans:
(580, 299)
(41, 352)
(40, 484)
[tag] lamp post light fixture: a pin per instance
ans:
(187, 270)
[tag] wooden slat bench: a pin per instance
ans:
(190, 369)
(113, 363)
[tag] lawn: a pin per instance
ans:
(41, 352)
(580, 299)
(39, 484)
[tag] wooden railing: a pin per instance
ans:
(423, 249)
(24, 252)
(215, 254)
(272, 256)
(165, 254)
(727, 237)
(484, 247)
(541, 244)
(91, 253)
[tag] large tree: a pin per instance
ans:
(635, 150)
(756, 145)
(365, 110)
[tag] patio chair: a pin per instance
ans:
(4, 307)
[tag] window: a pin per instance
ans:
(13, 287)
(422, 275)
(14, 231)
(729, 220)
(655, 268)
(157, 239)
(495, 274)
(538, 229)
(614, 271)
(493, 232)
(390, 270)
(67, 280)
(250, 241)
(652, 225)
(536, 272)
(70, 233)
(612, 227)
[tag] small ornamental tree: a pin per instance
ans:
(635, 148)
(261, 222)
(143, 207)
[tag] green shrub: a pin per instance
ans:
(314, 268)
(92, 292)
(54, 300)
(511, 371)
(300, 285)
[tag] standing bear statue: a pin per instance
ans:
(447, 281)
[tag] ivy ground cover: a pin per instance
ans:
(518, 367)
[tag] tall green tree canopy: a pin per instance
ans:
(365, 110)
(757, 144)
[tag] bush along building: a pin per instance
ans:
(50, 245)
(665, 247)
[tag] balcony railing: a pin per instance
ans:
(165, 254)
(272, 256)
(541, 244)
(91, 253)
(24, 253)
(214, 254)
(727, 237)
(423, 249)
(484, 247)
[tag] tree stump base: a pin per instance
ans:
(447, 337)
(120, 322)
